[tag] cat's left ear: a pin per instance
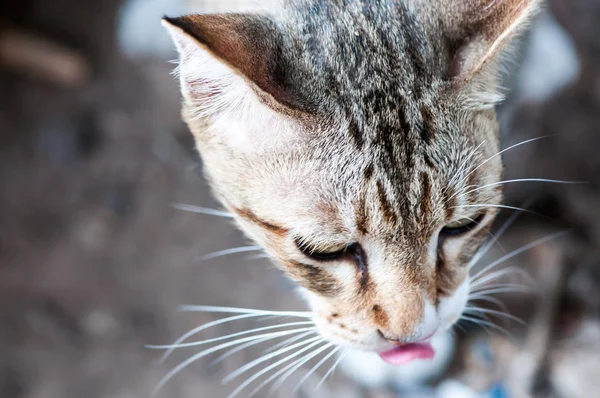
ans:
(225, 59)
(479, 31)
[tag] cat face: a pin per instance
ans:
(381, 253)
(358, 147)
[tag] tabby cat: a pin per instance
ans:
(356, 142)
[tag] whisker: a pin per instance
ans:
(483, 279)
(229, 336)
(492, 300)
(463, 166)
(501, 152)
(543, 180)
(501, 290)
(264, 358)
(296, 366)
(273, 376)
(485, 248)
(497, 313)
(205, 326)
(314, 369)
(273, 366)
(493, 237)
(245, 313)
(290, 369)
(521, 250)
(201, 210)
(476, 322)
(251, 343)
(233, 250)
(332, 369)
(287, 342)
(492, 325)
(209, 351)
(488, 205)
(503, 285)
(459, 326)
(234, 310)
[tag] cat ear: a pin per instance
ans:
(226, 57)
(479, 30)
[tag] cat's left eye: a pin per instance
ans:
(462, 226)
(330, 253)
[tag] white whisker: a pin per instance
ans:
(485, 278)
(251, 343)
(492, 300)
(229, 336)
(264, 358)
(209, 351)
(501, 290)
(503, 285)
(489, 324)
(290, 368)
(235, 310)
(544, 180)
(521, 250)
(273, 366)
(332, 369)
(233, 250)
(485, 248)
(493, 237)
(488, 205)
(501, 152)
(457, 325)
(287, 342)
(314, 369)
(497, 313)
(245, 313)
(201, 210)
(463, 166)
(205, 326)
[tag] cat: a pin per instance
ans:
(356, 142)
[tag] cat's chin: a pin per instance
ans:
(372, 371)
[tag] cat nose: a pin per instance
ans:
(392, 340)
(400, 341)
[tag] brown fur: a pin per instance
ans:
(355, 122)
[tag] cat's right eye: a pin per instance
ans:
(322, 254)
(462, 226)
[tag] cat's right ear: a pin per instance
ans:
(226, 59)
(478, 32)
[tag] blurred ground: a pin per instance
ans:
(94, 261)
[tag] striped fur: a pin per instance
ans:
(353, 122)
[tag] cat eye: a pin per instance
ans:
(462, 226)
(322, 254)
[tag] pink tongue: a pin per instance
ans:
(407, 353)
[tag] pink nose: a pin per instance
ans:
(403, 342)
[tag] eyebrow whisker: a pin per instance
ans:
(201, 210)
(233, 250)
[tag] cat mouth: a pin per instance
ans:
(406, 353)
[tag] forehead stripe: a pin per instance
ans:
(427, 127)
(426, 200)
(386, 207)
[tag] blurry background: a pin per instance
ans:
(94, 260)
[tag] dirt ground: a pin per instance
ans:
(94, 260)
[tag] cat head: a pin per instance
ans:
(356, 142)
